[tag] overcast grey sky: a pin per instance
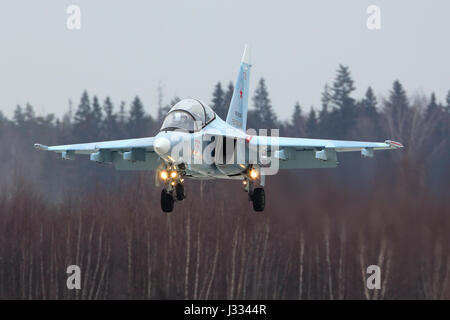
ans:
(126, 48)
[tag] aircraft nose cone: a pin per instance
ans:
(161, 146)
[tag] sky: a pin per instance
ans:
(128, 48)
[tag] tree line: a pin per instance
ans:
(341, 115)
(337, 116)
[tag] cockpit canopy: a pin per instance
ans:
(188, 114)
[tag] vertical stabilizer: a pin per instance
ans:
(237, 112)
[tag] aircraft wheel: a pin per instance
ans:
(166, 201)
(259, 199)
(179, 191)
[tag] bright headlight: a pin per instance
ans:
(173, 174)
(253, 173)
(164, 175)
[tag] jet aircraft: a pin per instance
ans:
(194, 142)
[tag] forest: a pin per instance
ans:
(320, 231)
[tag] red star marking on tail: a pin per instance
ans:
(240, 92)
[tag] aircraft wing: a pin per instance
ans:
(128, 154)
(114, 145)
(317, 153)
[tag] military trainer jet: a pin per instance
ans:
(195, 143)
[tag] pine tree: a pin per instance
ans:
(369, 103)
(19, 116)
(326, 98)
(398, 101)
(432, 107)
(122, 117)
(297, 121)
(263, 108)
(297, 115)
(110, 127)
(368, 117)
(29, 114)
(325, 121)
(343, 102)
(396, 111)
(137, 122)
(136, 111)
(108, 108)
(96, 111)
(96, 118)
(84, 108)
(342, 87)
(218, 101)
(311, 123)
(83, 122)
(121, 120)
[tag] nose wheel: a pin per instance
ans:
(172, 177)
(170, 195)
(167, 201)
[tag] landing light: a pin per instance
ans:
(253, 174)
(173, 174)
(164, 175)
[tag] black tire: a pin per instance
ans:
(179, 191)
(259, 199)
(166, 201)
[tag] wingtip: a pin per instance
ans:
(40, 146)
(394, 144)
(246, 55)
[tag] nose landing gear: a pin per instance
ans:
(172, 177)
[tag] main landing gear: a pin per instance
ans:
(256, 195)
(259, 199)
